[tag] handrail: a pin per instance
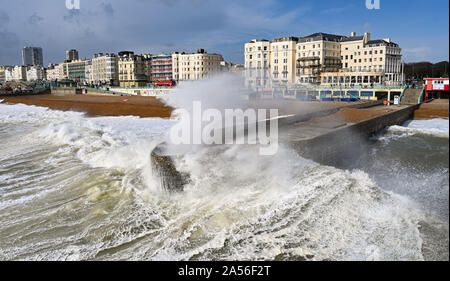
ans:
(402, 94)
(420, 99)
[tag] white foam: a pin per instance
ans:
(239, 205)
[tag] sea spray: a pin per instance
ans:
(240, 205)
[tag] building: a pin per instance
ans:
(322, 58)
(257, 66)
(160, 68)
(32, 56)
(6, 73)
(35, 73)
(71, 55)
(317, 53)
(436, 88)
(371, 62)
(9, 73)
(195, 66)
(104, 69)
(132, 71)
(282, 61)
(54, 72)
(19, 73)
(75, 70)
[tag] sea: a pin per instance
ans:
(81, 188)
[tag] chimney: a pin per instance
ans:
(366, 37)
(353, 34)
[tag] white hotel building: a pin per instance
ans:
(324, 59)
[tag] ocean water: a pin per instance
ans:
(78, 188)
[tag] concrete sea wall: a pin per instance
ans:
(342, 144)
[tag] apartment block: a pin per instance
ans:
(132, 71)
(75, 70)
(72, 55)
(19, 73)
(160, 68)
(6, 73)
(35, 73)
(55, 72)
(283, 60)
(195, 66)
(257, 65)
(105, 69)
(32, 56)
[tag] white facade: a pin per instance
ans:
(55, 72)
(292, 60)
(20, 73)
(257, 64)
(35, 73)
(195, 66)
(105, 69)
(9, 74)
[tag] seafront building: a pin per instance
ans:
(55, 72)
(104, 69)
(195, 66)
(19, 73)
(35, 73)
(32, 56)
(75, 70)
(132, 71)
(6, 73)
(160, 68)
(324, 59)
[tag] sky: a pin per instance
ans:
(420, 27)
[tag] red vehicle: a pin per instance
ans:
(164, 83)
(436, 88)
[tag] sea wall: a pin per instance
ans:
(346, 143)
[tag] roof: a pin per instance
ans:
(353, 38)
(381, 41)
(325, 36)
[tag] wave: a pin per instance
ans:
(238, 206)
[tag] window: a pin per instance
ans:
(346, 49)
(365, 52)
(351, 57)
(381, 52)
(265, 48)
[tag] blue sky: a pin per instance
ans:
(219, 26)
